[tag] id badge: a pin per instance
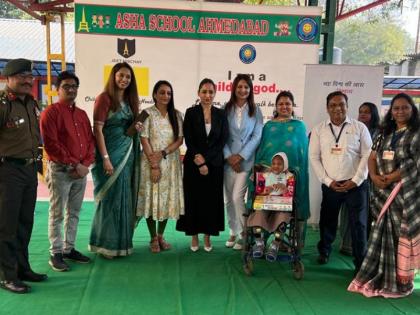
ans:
(388, 155)
(337, 150)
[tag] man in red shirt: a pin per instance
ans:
(70, 145)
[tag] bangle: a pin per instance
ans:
(106, 157)
(164, 154)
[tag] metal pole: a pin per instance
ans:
(63, 42)
(418, 31)
(48, 37)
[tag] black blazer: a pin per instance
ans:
(196, 139)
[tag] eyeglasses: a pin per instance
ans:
(69, 87)
(22, 76)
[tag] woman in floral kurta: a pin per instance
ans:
(161, 193)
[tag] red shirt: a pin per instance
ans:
(67, 134)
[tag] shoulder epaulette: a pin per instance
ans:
(3, 98)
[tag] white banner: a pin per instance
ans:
(184, 42)
(360, 83)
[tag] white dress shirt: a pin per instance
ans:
(355, 142)
(239, 112)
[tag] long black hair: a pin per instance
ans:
(413, 124)
(130, 93)
(374, 115)
(172, 114)
(232, 101)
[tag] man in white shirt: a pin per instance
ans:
(338, 150)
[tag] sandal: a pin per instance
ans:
(164, 245)
(109, 257)
(207, 244)
(154, 245)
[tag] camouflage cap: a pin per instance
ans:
(16, 66)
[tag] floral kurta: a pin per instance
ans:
(164, 199)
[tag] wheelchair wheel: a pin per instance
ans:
(298, 270)
(248, 266)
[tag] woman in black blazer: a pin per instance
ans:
(205, 132)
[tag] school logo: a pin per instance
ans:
(126, 47)
(307, 29)
(247, 53)
(283, 29)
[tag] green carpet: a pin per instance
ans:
(181, 282)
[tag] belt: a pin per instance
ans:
(17, 161)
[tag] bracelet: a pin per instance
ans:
(106, 157)
(164, 154)
(201, 165)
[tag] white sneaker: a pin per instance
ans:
(238, 246)
(230, 243)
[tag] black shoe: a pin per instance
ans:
(77, 257)
(32, 276)
(346, 252)
(15, 286)
(57, 263)
(322, 259)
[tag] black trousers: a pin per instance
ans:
(355, 200)
(18, 190)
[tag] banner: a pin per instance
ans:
(184, 42)
(359, 83)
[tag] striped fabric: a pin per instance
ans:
(394, 244)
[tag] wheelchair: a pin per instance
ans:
(288, 234)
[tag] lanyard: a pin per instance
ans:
(396, 136)
(337, 139)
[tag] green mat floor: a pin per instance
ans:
(181, 282)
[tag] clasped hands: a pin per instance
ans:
(383, 181)
(342, 186)
(235, 162)
(199, 160)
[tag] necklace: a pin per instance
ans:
(283, 119)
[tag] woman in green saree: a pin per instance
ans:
(115, 173)
(285, 134)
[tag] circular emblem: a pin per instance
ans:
(307, 29)
(247, 53)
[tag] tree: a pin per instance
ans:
(10, 11)
(365, 42)
(388, 10)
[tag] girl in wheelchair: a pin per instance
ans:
(272, 188)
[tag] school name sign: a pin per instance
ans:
(203, 25)
(185, 41)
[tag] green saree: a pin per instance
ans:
(116, 195)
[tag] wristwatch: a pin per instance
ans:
(164, 154)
